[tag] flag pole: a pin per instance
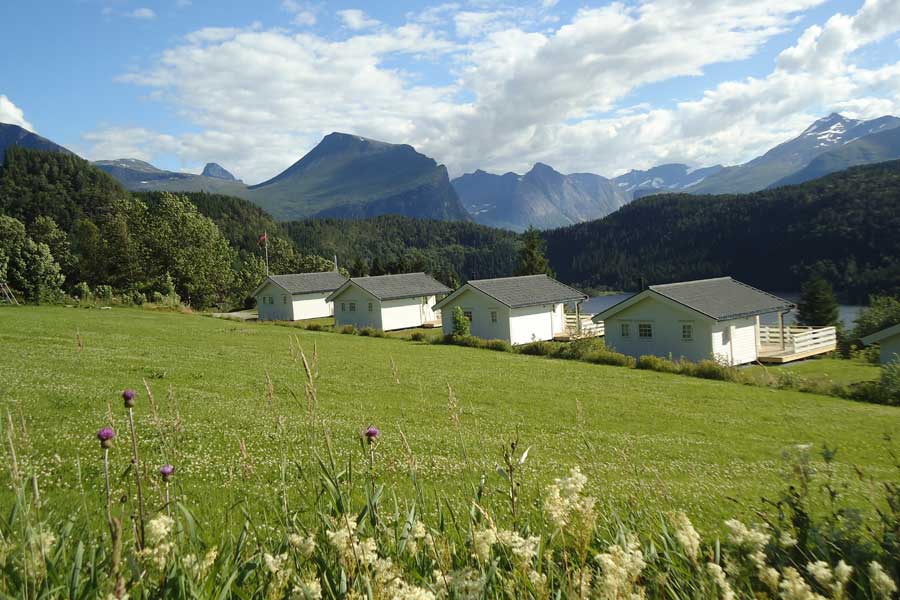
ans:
(266, 241)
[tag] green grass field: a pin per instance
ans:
(832, 370)
(645, 439)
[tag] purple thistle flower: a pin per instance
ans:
(371, 434)
(128, 397)
(166, 471)
(106, 436)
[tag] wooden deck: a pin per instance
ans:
(797, 343)
(574, 332)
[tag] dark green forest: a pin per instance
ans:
(844, 227)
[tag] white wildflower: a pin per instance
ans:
(821, 572)
(843, 571)
(158, 529)
(482, 541)
(718, 575)
(770, 577)
(307, 590)
(523, 549)
(786, 540)
(619, 570)
(749, 537)
(564, 499)
(416, 533)
(794, 587)
(305, 545)
(274, 564)
(581, 580)
(881, 582)
(367, 550)
(686, 535)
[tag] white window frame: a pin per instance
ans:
(467, 313)
(641, 327)
(352, 306)
(625, 330)
(687, 332)
(371, 307)
(284, 299)
(343, 307)
(494, 317)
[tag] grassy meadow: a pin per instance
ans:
(230, 412)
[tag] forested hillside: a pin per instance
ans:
(449, 250)
(844, 227)
(67, 226)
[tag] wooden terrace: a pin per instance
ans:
(779, 345)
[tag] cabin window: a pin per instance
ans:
(353, 307)
(687, 331)
(284, 299)
(626, 329)
(493, 316)
(343, 307)
(468, 314)
(370, 307)
(645, 330)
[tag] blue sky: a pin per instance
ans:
(583, 86)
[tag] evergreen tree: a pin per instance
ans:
(461, 325)
(531, 257)
(817, 305)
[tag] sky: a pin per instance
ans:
(600, 87)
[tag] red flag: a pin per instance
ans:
(263, 238)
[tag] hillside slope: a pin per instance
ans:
(13, 135)
(140, 176)
(843, 225)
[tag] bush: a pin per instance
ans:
(498, 345)
(461, 325)
(104, 293)
(605, 356)
(539, 348)
(890, 381)
(82, 291)
(347, 330)
(417, 336)
(655, 363)
(371, 332)
(710, 369)
(314, 327)
(579, 349)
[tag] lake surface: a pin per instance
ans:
(846, 312)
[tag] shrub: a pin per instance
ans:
(498, 345)
(371, 332)
(417, 336)
(579, 349)
(605, 356)
(710, 369)
(461, 325)
(655, 363)
(890, 381)
(82, 291)
(315, 327)
(104, 293)
(348, 330)
(539, 348)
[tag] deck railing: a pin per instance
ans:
(799, 339)
(588, 327)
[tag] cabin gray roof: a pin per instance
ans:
(880, 336)
(722, 298)
(527, 290)
(395, 287)
(307, 283)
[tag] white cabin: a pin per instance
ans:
(518, 310)
(296, 296)
(388, 302)
(888, 341)
(696, 320)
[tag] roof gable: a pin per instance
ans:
(396, 287)
(519, 292)
(304, 283)
(720, 299)
(882, 335)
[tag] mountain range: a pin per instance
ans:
(348, 176)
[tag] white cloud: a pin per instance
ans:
(520, 93)
(143, 13)
(304, 15)
(12, 114)
(356, 19)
